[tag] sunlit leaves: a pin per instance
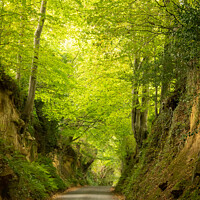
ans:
(88, 48)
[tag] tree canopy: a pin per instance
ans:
(101, 62)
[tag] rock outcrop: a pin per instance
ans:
(41, 139)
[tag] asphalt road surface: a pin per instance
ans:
(92, 193)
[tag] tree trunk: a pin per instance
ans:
(139, 116)
(156, 101)
(19, 57)
(166, 72)
(135, 102)
(1, 30)
(144, 115)
(166, 64)
(156, 86)
(32, 82)
(136, 117)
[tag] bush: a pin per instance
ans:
(36, 180)
(46, 163)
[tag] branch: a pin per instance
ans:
(172, 14)
(4, 44)
(162, 6)
(147, 43)
(159, 26)
(76, 138)
(76, 57)
(178, 6)
(84, 131)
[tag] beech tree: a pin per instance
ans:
(32, 83)
(102, 67)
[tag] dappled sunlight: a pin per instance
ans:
(99, 93)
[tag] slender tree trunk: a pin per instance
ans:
(21, 34)
(19, 57)
(1, 29)
(156, 87)
(166, 67)
(19, 61)
(135, 102)
(32, 82)
(139, 117)
(156, 101)
(135, 116)
(144, 114)
(166, 71)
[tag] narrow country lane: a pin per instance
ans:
(93, 193)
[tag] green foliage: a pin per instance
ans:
(105, 176)
(46, 163)
(190, 193)
(188, 31)
(36, 180)
(45, 130)
(87, 72)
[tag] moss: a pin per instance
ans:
(180, 185)
(178, 189)
(157, 194)
(195, 195)
(191, 193)
(164, 157)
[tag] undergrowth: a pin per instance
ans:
(31, 180)
(36, 180)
